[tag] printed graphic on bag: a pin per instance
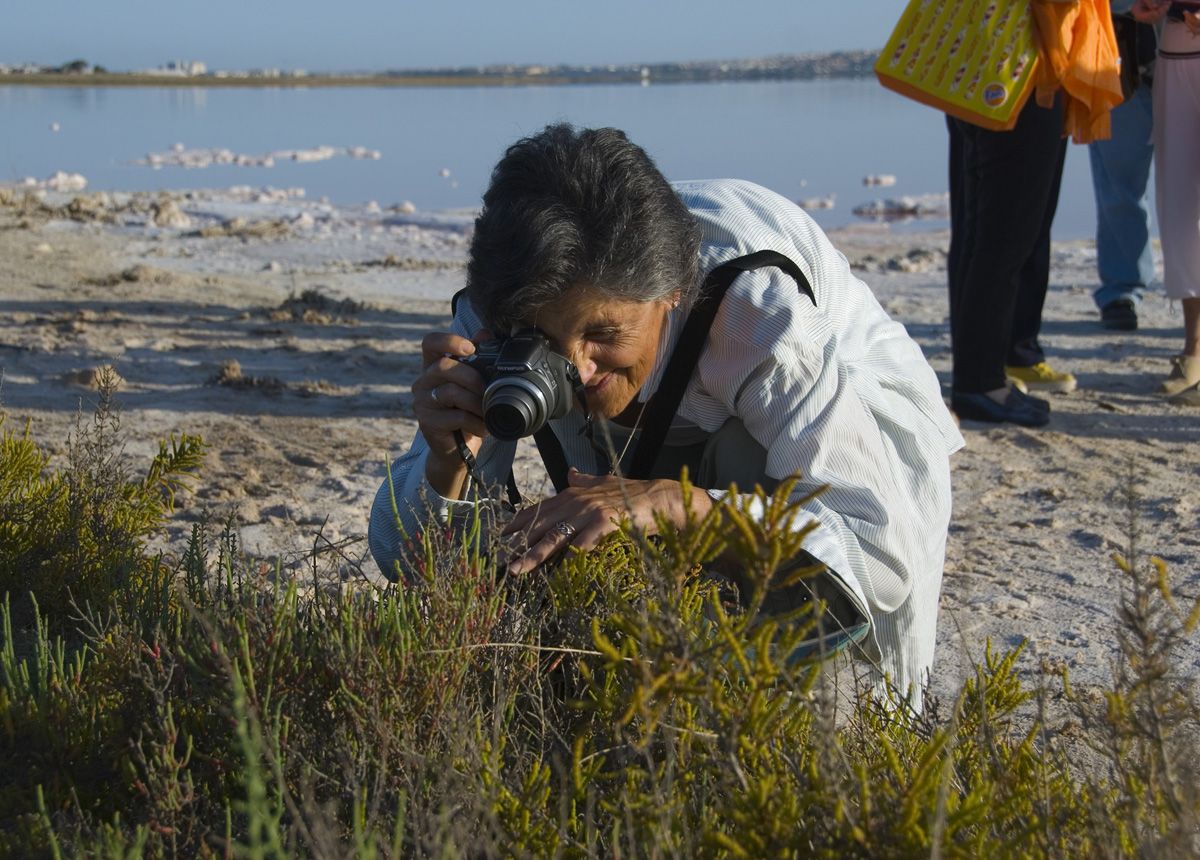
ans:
(994, 95)
(941, 51)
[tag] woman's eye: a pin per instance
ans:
(603, 335)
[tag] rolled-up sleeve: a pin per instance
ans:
(406, 502)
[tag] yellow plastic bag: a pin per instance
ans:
(973, 59)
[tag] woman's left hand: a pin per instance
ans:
(592, 507)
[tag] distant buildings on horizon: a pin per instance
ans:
(838, 64)
(170, 69)
(182, 68)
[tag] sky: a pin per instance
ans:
(372, 35)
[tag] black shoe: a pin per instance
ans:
(1120, 315)
(1037, 402)
(1017, 408)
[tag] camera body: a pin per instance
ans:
(528, 383)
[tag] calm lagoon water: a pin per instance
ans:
(804, 139)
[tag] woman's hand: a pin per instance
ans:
(592, 507)
(1149, 11)
(448, 396)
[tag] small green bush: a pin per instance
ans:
(79, 533)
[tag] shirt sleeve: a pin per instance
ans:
(407, 503)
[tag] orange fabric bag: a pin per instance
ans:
(1078, 54)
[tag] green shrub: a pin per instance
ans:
(78, 533)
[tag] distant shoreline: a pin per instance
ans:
(852, 64)
(119, 80)
(330, 81)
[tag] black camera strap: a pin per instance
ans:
(551, 450)
(666, 398)
(514, 493)
(553, 457)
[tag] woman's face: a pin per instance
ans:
(613, 342)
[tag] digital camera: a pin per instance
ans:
(528, 383)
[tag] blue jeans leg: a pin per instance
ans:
(1120, 173)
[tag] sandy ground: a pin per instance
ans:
(171, 291)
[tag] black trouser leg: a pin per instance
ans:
(1034, 277)
(1002, 199)
(957, 210)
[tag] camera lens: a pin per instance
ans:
(513, 408)
(509, 421)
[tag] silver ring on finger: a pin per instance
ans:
(433, 395)
(565, 529)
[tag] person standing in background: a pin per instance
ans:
(1177, 177)
(1003, 194)
(1120, 178)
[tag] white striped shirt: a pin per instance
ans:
(837, 393)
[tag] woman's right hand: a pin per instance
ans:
(448, 396)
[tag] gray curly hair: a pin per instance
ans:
(567, 207)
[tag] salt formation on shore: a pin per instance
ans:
(895, 208)
(263, 194)
(168, 214)
(59, 181)
(198, 159)
(827, 202)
